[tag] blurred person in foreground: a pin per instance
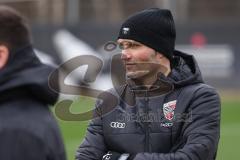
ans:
(164, 111)
(28, 130)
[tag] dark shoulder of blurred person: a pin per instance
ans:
(28, 130)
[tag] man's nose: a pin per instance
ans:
(125, 54)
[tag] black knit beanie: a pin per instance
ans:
(152, 27)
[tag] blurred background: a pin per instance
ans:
(210, 30)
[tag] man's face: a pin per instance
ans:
(139, 60)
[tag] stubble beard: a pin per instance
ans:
(137, 74)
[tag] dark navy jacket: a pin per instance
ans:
(176, 119)
(28, 130)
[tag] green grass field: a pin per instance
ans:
(73, 132)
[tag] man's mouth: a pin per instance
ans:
(130, 64)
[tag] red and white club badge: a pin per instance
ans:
(168, 109)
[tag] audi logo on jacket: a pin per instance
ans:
(178, 119)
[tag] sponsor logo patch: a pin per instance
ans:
(168, 109)
(117, 125)
(166, 124)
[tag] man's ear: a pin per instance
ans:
(4, 54)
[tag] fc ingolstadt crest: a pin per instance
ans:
(168, 109)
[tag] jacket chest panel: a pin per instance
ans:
(155, 122)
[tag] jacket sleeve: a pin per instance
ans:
(93, 146)
(200, 135)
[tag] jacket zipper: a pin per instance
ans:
(147, 123)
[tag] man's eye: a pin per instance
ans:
(125, 45)
(121, 46)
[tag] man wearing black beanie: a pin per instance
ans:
(165, 111)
